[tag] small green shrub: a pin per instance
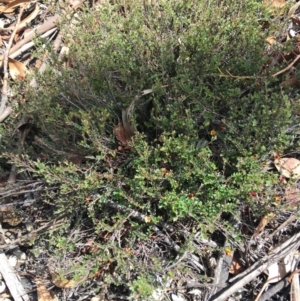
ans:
(201, 138)
(141, 288)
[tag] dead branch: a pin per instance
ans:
(12, 281)
(5, 70)
(287, 67)
(49, 24)
(236, 76)
(257, 268)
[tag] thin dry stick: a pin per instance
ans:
(249, 77)
(29, 45)
(288, 67)
(49, 24)
(3, 108)
(291, 219)
(12, 281)
(236, 76)
(283, 250)
(33, 234)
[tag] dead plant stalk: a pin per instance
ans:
(4, 110)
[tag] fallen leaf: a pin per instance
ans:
(262, 224)
(121, 134)
(288, 167)
(228, 251)
(275, 6)
(236, 267)
(292, 82)
(29, 18)
(14, 4)
(271, 40)
(64, 283)
(147, 219)
(6, 10)
(42, 292)
(292, 195)
(17, 70)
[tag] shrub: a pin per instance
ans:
(200, 140)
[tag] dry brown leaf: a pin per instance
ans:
(42, 292)
(292, 195)
(121, 134)
(14, 4)
(17, 70)
(275, 6)
(236, 267)
(65, 283)
(29, 18)
(264, 221)
(148, 219)
(61, 283)
(6, 10)
(288, 167)
(292, 82)
(5, 1)
(271, 40)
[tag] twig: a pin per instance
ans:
(292, 275)
(274, 289)
(12, 281)
(50, 225)
(24, 47)
(284, 225)
(236, 76)
(288, 67)
(251, 77)
(5, 64)
(264, 287)
(49, 24)
(257, 268)
(295, 288)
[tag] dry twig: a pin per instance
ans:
(12, 281)
(287, 67)
(257, 268)
(5, 111)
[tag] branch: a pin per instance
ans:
(236, 76)
(257, 268)
(5, 63)
(288, 67)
